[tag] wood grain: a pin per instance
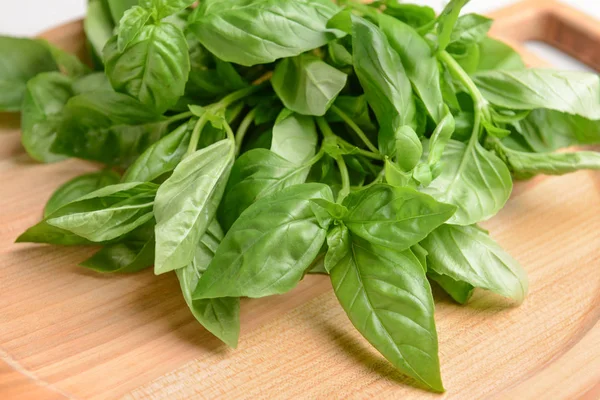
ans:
(69, 333)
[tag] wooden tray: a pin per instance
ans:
(69, 333)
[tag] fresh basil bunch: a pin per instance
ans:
(245, 139)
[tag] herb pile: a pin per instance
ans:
(250, 142)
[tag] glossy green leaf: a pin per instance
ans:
(447, 21)
(411, 14)
(473, 179)
(460, 291)
(294, 137)
(126, 257)
(408, 148)
(394, 217)
(338, 245)
(22, 59)
(269, 248)
(567, 91)
(419, 62)
(250, 32)
(307, 85)
(440, 138)
(164, 8)
(131, 25)
(220, 316)
(493, 54)
(470, 29)
(154, 68)
(78, 187)
(187, 202)
(388, 299)
(256, 174)
(468, 254)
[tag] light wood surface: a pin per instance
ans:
(69, 333)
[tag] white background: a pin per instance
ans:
(31, 17)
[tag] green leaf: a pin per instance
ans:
(98, 25)
(419, 62)
(473, 179)
(187, 202)
(44, 99)
(68, 63)
(269, 248)
(466, 253)
(126, 257)
(408, 148)
(382, 76)
(107, 213)
(394, 175)
(131, 25)
(79, 187)
(294, 137)
(164, 8)
(388, 299)
(22, 59)
(220, 316)
(307, 85)
(470, 29)
(257, 174)
(118, 8)
(567, 91)
(339, 55)
(460, 291)
(497, 55)
(338, 245)
(440, 138)
(411, 14)
(394, 217)
(161, 157)
(94, 82)
(357, 109)
(287, 28)
(154, 68)
(447, 21)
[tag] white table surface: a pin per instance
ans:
(30, 17)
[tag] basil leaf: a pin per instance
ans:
(494, 54)
(307, 85)
(382, 76)
(164, 8)
(94, 82)
(131, 25)
(98, 25)
(68, 63)
(338, 244)
(468, 254)
(420, 64)
(257, 174)
(79, 187)
(44, 99)
(161, 157)
(460, 291)
(126, 257)
(220, 316)
(187, 202)
(119, 7)
(411, 14)
(154, 68)
(269, 248)
(22, 59)
(294, 137)
(440, 138)
(107, 213)
(470, 29)
(388, 299)
(229, 30)
(393, 217)
(473, 179)
(567, 91)
(446, 22)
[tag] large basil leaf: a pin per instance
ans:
(388, 299)
(250, 32)
(256, 174)
(446, 22)
(98, 25)
(419, 62)
(382, 76)
(572, 92)
(161, 157)
(154, 68)
(468, 254)
(494, 54)
(78, 187)
(460, 291)
(473, 179)
(107, 213)
(294, 137)
(220, 316)
(126, 257)
(270, 246)
(187, 202)
(22, 59)
(394, 217)
(44, 99)
(307, 85)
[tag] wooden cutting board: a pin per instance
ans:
(69, 333)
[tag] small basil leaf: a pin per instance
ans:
(339, 55)
(408, 148)
(470, 29)
(446, 22)
(126, 257)
(394, 217)
(307, 85)
(440, 138)
(468, 254)
(269, 248)
(131, 25)
(460, 291)
(294, 137)
(394, 175)
(411, 14)
(79, 187)
(187, 202)
(388, 299)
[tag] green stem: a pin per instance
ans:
(236, 96)
(325, 128)
(242, 129)
(179, 117)
(459, 73)
(355, 128)
(345, 179)
(196, 134)
(230, 134)
(362, 152)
